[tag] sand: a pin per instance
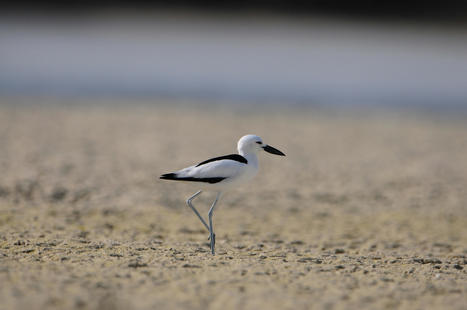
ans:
(367, 211)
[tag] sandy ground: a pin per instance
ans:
(367, 211)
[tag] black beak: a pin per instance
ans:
(272, 150)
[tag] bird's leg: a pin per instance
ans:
(188, 201)
(212, 236)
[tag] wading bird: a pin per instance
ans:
(223, 173)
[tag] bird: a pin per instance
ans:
(223, 173)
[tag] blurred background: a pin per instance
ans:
(394, 53)
(368, 99)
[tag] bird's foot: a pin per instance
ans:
(213, 243)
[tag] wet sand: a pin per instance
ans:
(367, 211)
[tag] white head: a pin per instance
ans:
(253, 144)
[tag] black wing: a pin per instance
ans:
(173, 176)
(235, 157)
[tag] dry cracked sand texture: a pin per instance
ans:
(367, 211)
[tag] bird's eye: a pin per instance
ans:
(259, 142)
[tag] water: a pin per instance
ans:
(263, 59)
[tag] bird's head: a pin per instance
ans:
(252, 143)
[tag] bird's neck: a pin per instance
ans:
(251, 157)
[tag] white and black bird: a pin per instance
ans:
(223, 173)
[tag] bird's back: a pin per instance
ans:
(220, 172)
